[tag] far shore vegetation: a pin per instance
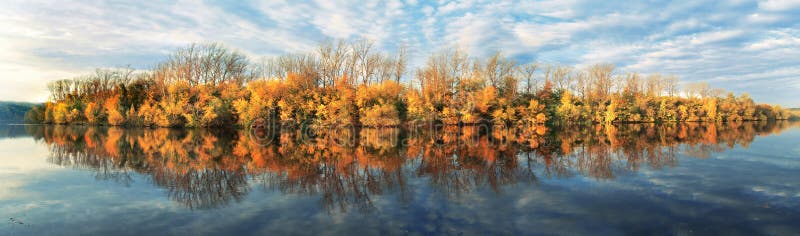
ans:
(351, 83)
(13, 112)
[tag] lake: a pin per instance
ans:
(730, 179)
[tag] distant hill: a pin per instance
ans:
(14, 112)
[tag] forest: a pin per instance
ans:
(352, 83)
(14, 112)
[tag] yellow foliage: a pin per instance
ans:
(449, 116)
(386, 92)
(611, 111)
(710, 106)
(380, 115)
(485, 98)
(505, 113)
(533, 114)
(60, 113)
(210, 112)
(93, 113)
(683, 111)
(338, 107)
(260, 99)
(175, 107)
(149, 113)
(286, 110)
(567, 109)
(416, 106)
(74, 116)
(377, 103)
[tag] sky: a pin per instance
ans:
(738, 45)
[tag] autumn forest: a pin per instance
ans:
(352, 83)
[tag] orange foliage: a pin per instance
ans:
(111, 106)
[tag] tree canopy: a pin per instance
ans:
(351, 83)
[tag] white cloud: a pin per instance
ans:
(428, 10)
(778, 5)
(456, 5)
(777, 39)
(538, 35)
(609, 53)
(715, 36)
(764, 18)
(551, 8)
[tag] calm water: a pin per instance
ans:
(739, 179)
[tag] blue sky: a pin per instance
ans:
(740, 46)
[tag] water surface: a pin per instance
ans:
(734, 179)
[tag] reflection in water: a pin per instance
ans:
(345, 167)
(12, 131)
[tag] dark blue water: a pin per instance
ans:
(637, 179)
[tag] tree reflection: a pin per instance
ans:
(348, 168)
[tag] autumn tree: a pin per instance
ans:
(354, 83)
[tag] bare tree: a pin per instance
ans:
(548, 74)
(500, 73)
(441, 75)
(654, 85)
(369, 66)
(386, 69)
(633, 84)
(400, 63)
(527, 72)
(699, 89)
(206, 63)
(582, 84)
(332, 60)
(362, 57)
(671, 85)
(561, 78)
(498, 68)
(602, 80)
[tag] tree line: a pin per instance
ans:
(351, 83)
(13, 112)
